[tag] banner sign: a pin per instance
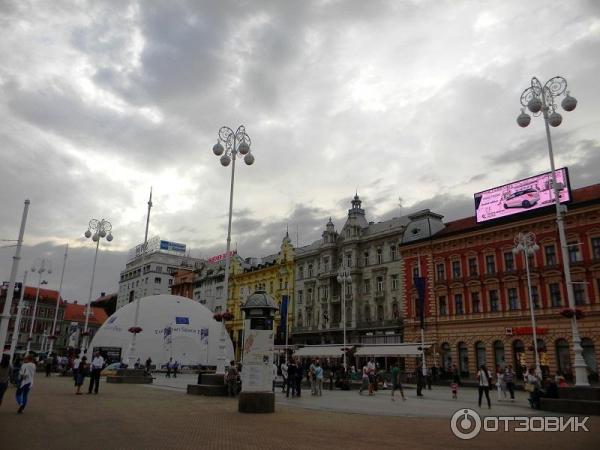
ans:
(172, 246)
(284, 313)
(182, 320)
(221, 257)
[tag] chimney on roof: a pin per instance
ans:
(102, 294)
(74, 302)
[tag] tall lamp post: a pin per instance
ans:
(541, 99)
(101, 229)
(229, 144)
(525, 242)
(40, 266)
(53, 335)
(17, 327)
(344, 278)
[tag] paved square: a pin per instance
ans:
(163, 416)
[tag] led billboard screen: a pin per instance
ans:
(521, 196)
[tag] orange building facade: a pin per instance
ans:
(183, 283)
(477, 302)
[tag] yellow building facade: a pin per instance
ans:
(273, 274)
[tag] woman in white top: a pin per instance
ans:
(26, 375)
(484, 385)
(500, 386)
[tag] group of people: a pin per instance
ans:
(82, 368)
(293, 373)
(172, 368)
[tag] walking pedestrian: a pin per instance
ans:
(500, 385)
(82, 371)
(169, 365)
(312, 378)
(484, 385)
(274, 374)
(454, 389)
(95, 370)
(291, 385)
(26, 375)
(4, 374)
(299, 376)
(372, 379)
(420, 380)
(284, 374)
(148, 365)
(509, 379)
(48, 365)
(396, 383)
(75, 368)
(231, 378)
(365, 380)
(175, 368)
(319, 379)
(534, 386)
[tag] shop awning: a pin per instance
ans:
(322, 351)
(390, 350)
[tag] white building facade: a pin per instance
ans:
(151, 272)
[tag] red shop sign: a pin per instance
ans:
(529, 330)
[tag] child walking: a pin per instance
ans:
(454, 388)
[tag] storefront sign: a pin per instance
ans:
(221, 257)
(520, 331)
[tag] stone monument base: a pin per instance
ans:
(130, 376)
(256, 402)
(212, 384)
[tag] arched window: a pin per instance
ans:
(499, 354)
(395, 310)
(446, 357)
(380, 313)
(367, 313)
(480, 354)
(563, 357)
(299, 320)
(589, 355)
(463, 359)
(519, 362)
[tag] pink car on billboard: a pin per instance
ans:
(520, 196)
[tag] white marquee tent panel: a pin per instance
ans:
(390, 350)
(322, 351)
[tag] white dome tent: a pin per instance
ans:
(172, 326)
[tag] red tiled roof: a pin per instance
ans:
(581, 195)
(45, 294)
(104, 298)
(76, 313)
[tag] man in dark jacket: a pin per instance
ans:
(292, 369)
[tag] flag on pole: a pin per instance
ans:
(420, 286)
(204, 335)
(284, 312)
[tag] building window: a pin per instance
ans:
(379, 256)
(455, 270)
(535, 298)
(309, 295)
(394, 282)
(509, 261)
(379, 284)
(442, 303)
(490, 264)
(310, 270)
(579, 292)
(555, 297)
(415, 271)
(157, 280)
(475, 302)
(366, 286)
(596, 248)
(366, 258)
(493, 300)
(326, 263)
(170, 282)
(458, 304)
(348, 259)
(440, 272)
(158, 269)
(512, 299)
(325, 292)
(574, 253)
(550, 254)
(300, 297)
(219, 291)
(348, 289)
(473, 267)
(393, 252)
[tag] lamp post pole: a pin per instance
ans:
(5, 317)
(538, 99)
(344, 277)
(53, 335)
(525, 242)
(229, 144)
(17, 328)
(40, 267)
(101, 229)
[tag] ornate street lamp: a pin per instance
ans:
(229, 144)
(344, 277)
(525, 243)
(40, 266)
(541, 99)
(97, 229)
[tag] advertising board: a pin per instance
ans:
(521, 196)
(221, 257)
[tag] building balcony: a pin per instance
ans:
(378, 324)
(379, 296)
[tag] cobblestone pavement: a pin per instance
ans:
(141, 417)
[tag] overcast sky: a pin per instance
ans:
(396, 99)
